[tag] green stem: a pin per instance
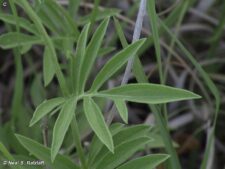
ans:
(174, 162)
(18, 88)
(76, 136)
(172, 44)
(177, 28)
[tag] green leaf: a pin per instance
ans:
(127, 134)
(44, 108)
(121, 154)
(37, 91)
(131, 133)
(148, 93)
(115, 64)
(48, 19)
(5, 152)
(119, 31)
(43, 153)
(147, 162)
(158, 141)
(48, 67)
(91, 53)
(61, 126)
(79, 57)
(137, 67)
(151, 9)
(62, 14)
(142, 78)
(13, 39)
(73, 7)
(122, 109)
(154, 25)
(57, 19)
(97, 122)
(100, 15)
(23, 23)
(94, 12)
(96, 144)
(25, 49)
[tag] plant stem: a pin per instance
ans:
(19, 85)
(76, 136)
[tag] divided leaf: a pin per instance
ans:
(115, 64)
(146, 162)
(148, 93)
(61, 126)
(43, 153)
(92, 52)
(97, 122)
(44, 108)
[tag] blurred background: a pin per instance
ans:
(199, 25)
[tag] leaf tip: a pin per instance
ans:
(196, 96)
(125, 119)
(46, 83)
(31, 123)
(143, 40)
(111, 149)
(111, 146)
